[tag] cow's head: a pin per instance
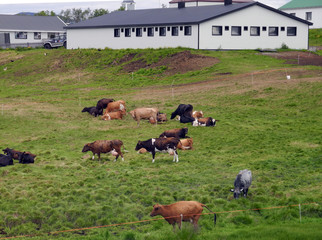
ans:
(138, 146)
(85, 109)
(7, 150)
(132, 114)
(237, 191)
(157, 209)
(86, 148)
(185, 130)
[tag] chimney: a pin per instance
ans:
(228, 2)
(181, 5)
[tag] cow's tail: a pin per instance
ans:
(215, 216)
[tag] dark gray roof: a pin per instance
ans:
(168, 16)
(31, 23)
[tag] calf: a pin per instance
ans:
(205, 122)
(185, 113)
(6, 160)
(144, 113)
(185, 144)
(197, 114)
(115, 106)
(26, 158)
(92, 110)
(177, 133)
(160, 145)
(105, 146)
(113, 115)
(242, 183)
(102, 104)
(183, 211)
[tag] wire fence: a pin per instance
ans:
(157, 219)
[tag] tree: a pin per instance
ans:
(98, 12)
(45, 13)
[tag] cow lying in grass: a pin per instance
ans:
(185, 144)
(115, 107)
(185, 113)
(6, 160)
(183, 211)
(154, 145)
(16, 154)
(177, 133)
(104, 146)
(205, 122)
(113, 115)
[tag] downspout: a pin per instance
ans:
(198, 35)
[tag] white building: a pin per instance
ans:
(25, 31)
(310, 10)
(199, 3)
(233, 26)
(128, 5)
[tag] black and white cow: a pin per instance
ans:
(154, 145)
(6, 160)
(242, 183)
(185, 113)
(204, 122)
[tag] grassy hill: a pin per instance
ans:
(268, 124)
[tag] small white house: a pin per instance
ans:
(310, 10)
(28, 31)
(199, 3)
(250, 25)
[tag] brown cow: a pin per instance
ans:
(102, 104)
(145, 113)
(115, 106)
(105, 146)
(177, 133)
(183, 211)
(113, 115)
(197, 114)
(185, 144)
(162, 117)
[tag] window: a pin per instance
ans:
(156, 29)
(181, 28)
(144, 29)
(187, 30)
(264, 29)
(255, 31)
(21, 35)
(127, 32)
(150, 32)
(308, 15)
(139, 32)
(217, 30)
(133, 29)
(162, 31)
(52, 35)
(235, 31)
(174, 31)
(293, 14)
(291, 31)
(282, 29)
(273, 31)
(245, 28)
(37, 35)
(122, 29)
(168, 29)
(116, 32)
(226, 28)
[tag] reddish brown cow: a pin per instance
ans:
(185, 144)
(197, 114)
(145, 113)
(105, 146)
(113, 115)
(115, 106)
(177, 133)
(183, 211)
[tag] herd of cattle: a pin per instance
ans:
(168, 141)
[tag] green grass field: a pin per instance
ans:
(267, 124)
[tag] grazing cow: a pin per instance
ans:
(113, 115)
(205, 122)
(197, 114)
(160, 145)
(162, 117)
(26, 158)
(183, 211)
(177, 133)
(185, 113)
(115, 106)
(91, 110)
(144, 113)
(105, 146)
(102, 104)
(242, 183)
(185, 144)
(6, 160)
(16, 154)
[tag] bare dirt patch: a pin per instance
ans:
(181, 62)
(297, 57)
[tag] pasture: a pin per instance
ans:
(267, 123)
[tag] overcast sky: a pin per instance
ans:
(16, 6)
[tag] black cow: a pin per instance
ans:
(185, 113)
(6, 160)
(92, 110)
(26, 158)
(160, 145)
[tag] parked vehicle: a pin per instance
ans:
(59, 41)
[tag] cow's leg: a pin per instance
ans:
(93, 156)
(176, 155)
(153, 156)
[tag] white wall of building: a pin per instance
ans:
(253, 16)
(316, 15)
(104, 37)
